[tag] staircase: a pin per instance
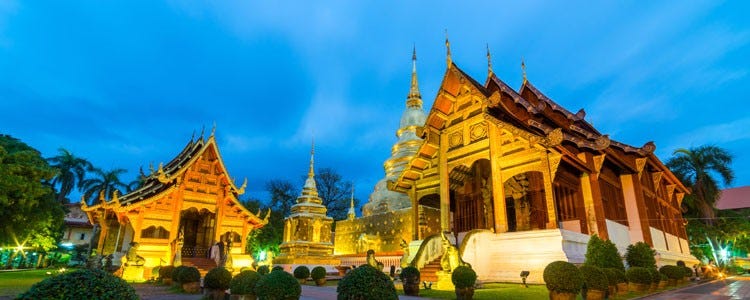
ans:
(429, 271)
(203, 264)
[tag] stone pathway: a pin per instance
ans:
(154, 292)
(736, 288)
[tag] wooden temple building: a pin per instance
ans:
(185, 206)
(520, 181)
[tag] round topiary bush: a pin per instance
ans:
(277, 268)
(613, 277)
(217, 278)
(177, 272)
(463, 277)
(244, 283)
(301, 272)
(409, 272)
(278, 285)
(594, 278)
(640, 254)
(365, 283)
(638, 275)
(166, 272)
(318, 273)
(672, 272)
(689, 272)
(81, 284)
(563, 277)
(655, 275)
(187, 274)
(663, 277)
(603, 254)
(263, 270)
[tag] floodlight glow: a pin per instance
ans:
(262, 255)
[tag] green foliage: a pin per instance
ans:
(244, 283)
(366, 283)
(277, 268)
(688, 272)
(81, 284)
(463, 277)
(564, 277)
(640, 254)
(103, 181)
(29, 212)
(594, 278)
(263, 270)
(638, 275)
(185, 274)
(278, 285)
(672, 272)
(655, 275)
(166, 272)
(603, 254)
(301, 272)
(318, 273)
(409, 272)
(614, 276)
(70, 172)
(217, 278)
(663, 277)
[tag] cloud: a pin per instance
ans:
(723, 133)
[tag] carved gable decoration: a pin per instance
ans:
(656, 176)
(640, 163)
(478, 131)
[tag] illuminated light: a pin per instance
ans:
(262, 255)
(19, 248)
(67, 245)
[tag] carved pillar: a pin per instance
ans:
(414, 211)
(444, 184)
(635, 208)
(498, 184)
(588, 204)
(549, 166)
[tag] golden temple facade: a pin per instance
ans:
(180, 211)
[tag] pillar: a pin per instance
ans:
(444, 183)
(635, 208)
(498, 182)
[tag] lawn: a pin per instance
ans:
(13, 283)
(494, 291)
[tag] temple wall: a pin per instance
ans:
(657, 236)
(619, 234)
(685, 246)
(381, 232)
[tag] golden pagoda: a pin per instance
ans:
(307, 230)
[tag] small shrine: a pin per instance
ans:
(307, 230)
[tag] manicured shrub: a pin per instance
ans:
(81, 284)
(186, 274)
(277, 268)
(563, 277)
(638, 275)
(640, 254)
(366, 283)
(263, 270)
(244, 283)
(301, 272)
(613, 277)
(655, 275)
(594, 278)
(318, 273)
(672, 272)
(463, 277)
(663, 277)
(217, 278)
(166, 272)
(409, 272)
(603, 254)
(278, 285)
(689, 272)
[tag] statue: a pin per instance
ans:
(487, 203)
(372, 261)
(405, 257)
(132, 258)
(228, 261)
(451, 258)
(177, 259)
(367, 241)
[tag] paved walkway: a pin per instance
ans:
(736, 288)
(153, 292)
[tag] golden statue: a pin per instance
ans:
(132, 258)
(372, 261)
(405, 257)
(451, 258)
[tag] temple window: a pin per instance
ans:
(154, 232)
(613, 201)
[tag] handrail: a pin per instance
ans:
(430, 249)
(466, 239)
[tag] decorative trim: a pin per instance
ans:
(656, 176)
(640, 163)
(598, 162)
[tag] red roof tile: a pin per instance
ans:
(734, 198)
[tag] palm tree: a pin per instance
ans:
(697, 168)
(71, 171)
(103, 181)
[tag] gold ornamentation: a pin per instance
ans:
(656, 176)
(679, 197)
(478, 131)
(598, 162)
(640, 163)
(554, 137)
(455, 139)
(670, 191)
(602, 142)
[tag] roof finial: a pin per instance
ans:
(448, 48)
(414, 99)
(351, 214)
(203, 128)
(489, 61)
(213, 129)
(311, 173)
(523, 69)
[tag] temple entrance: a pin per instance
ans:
(525, 202)
(471, 196)
(198, 231)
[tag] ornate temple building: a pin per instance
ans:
(307, 230)
(183, 207)
(517, 181)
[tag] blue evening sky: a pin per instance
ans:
(126, 83)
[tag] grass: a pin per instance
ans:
(13, 283)
(494, 291)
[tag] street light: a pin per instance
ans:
(524, 274)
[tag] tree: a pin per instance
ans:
(334, 192)
(283, 195)
(71, 171)
(697, 168)
(104, 181)
(29, 212)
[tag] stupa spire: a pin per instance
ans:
(351, 214)
(310, 189)
(414, 99)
